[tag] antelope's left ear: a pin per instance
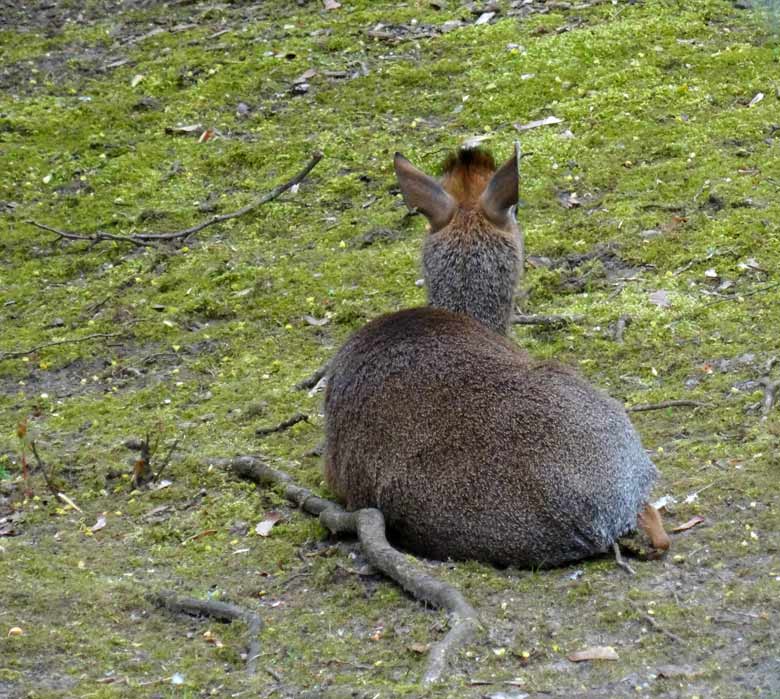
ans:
(424, 193)
(500, 195)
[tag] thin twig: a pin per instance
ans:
(157, 475)
(619, 562)
(222, 611)
(770, 394)
(369, 525)
(282, 426)
(646, 617)
(620, 327)
(52, 488)
(94, 238)
(23, 353)
(553, 320)
(146, 239)
(313, 380)
(666, 404)
(736, 297)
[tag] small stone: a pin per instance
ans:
(450, 25)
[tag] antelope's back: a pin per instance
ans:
(474, 451)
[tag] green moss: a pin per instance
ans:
(663, 139)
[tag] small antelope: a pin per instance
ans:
(473, 253)
(473, 450)
(469, 447)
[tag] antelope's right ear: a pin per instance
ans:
(500, 196)
(424, 193)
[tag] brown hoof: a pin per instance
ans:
(649, 521)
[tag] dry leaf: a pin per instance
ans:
(547, 121)
(207, 135)
(15, 631)
(155, 511)
(136, 80)
(419, 647)
(751, 263)
(756, 99)
(568, 200)
(69, 502)
(264, 528)
(305, 76)
(660, 298)
(9, 530)
(188, 130)
(331, 4)
(594, 653)
(484, 18)
(663, 502)
(692, 522)
(474, 141)
(210, 637)
(97, 526)
(318, 322)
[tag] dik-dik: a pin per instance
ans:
(473, 254)
(469, 447)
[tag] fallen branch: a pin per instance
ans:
(23, 353)
(665, 404)
(619, 562)
(552, 321)
(654, 623)
(221, 611)
(147, 239)
(770, 394)
(313, 380)
(282, 426)
(369, 526)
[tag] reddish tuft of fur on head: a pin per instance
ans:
(467, 173)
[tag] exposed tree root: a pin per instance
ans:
(369, 526)
(32, 350)
(313, 380)
(283, 425)
(222, 611)
(665, 404)
(147, 239)
(551, 321)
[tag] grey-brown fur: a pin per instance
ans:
(473, 450)
(472, 256)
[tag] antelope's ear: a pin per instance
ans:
(500, 195)
(424, 193)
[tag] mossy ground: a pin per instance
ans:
(672, 165)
